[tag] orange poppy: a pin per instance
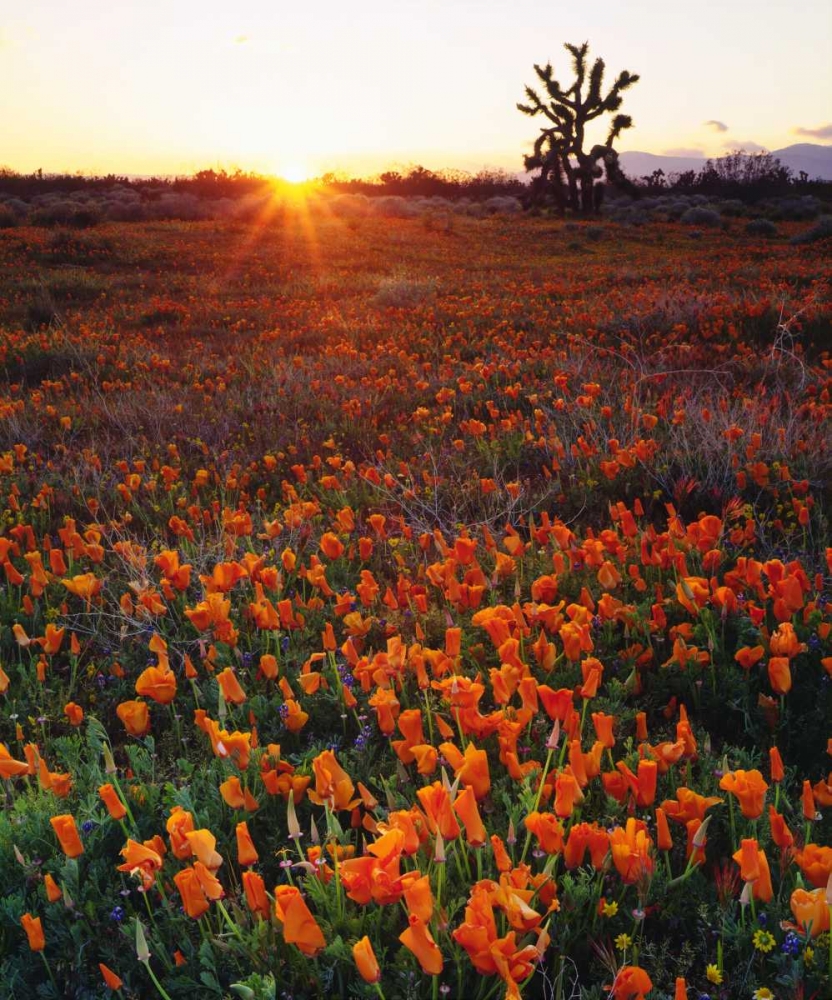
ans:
(135, 716)
(811, 911)
(158, 683)
(74, 713)
(194, 900)
(67, 834)
(142, 861)
(178, 825)
(365, 960)
(110, 798)
(111, 980)
(465, 806)
(9, 767)
(816, 863)
(333, 785)
(256, 898)
(34, 931)
(749, 788)
(548, 830)
(417, 938)
(231, 688)
(246, 851)
(299, 926)
(53, 890)
(631, 983)
(779, 674)
(203, 844)
(631, 850)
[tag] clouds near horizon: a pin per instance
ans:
(821, 132)
(717, 126)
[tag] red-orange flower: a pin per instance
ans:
(256, 898)
(111, 980)
(299, 926)
(110, 798)
(418, 939)
(365, 960)
(34, 931)
(811, 911)
(631, 983)
(750, 788)
(67, 834)
(135, 716)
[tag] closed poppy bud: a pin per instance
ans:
(776, 763)
(641, 726)
(664, 841)
(34, 931)
(256, 898)
(779, 674)
(110, 798)
(647, 777)
(246, 851)
(110, 978)
(231, 689)
(465, 806)
(603, 728)
(53, 890)
(808, 798)
(419, 898)
(67, 834)
(681, 992)
(365, 960)
(747, 858)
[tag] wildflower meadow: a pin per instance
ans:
(415, 605)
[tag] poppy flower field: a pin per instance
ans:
(415, 608)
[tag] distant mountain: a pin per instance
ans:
(815, 159)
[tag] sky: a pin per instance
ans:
(296, 89)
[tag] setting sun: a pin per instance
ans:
(296, 172)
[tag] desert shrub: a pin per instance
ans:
(54, 213)
(761, 227)
(595, 233)
(8, 218)
(186, 207)
(350, 205)
(822, 230)
(395, 207)
(697, 215)
(399, 292)
(502, 205)
(795, 209)
(124, 210)
(676, 209)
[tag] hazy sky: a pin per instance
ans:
(177, 85)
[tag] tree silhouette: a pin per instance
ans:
(568, 173)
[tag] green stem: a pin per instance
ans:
(52, 978)
(162, 991)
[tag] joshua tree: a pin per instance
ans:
(568, 173)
